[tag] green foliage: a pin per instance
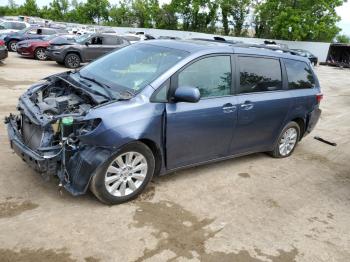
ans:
(309, 20)
(30, 8)
(297, 19)
(343, 39)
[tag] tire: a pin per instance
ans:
(39, 54)
(72, 60)
(120, 189)
(286, 143)
(12, 46)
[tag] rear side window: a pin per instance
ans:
(259, 74)
(211, 75)
(48, 32)
(299, 74)
(111, 40)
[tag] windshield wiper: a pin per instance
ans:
(105, 87)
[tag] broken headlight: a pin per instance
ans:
(87, 126)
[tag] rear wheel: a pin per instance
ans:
(72, 61)
(12, 46)
(125, 175)
(287, 141)
(40, 53)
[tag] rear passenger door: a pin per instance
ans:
(110, 43)
(263, 104)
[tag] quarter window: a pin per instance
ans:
(259, 74)
(299, 74)
(211, 75)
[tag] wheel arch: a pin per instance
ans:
(302, 125)
(156, 152)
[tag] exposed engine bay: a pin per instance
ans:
(50, 121)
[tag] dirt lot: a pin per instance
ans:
(252, 208)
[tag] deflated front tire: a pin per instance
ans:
(124, 175)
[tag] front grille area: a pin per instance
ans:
(32, 134)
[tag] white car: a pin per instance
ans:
(8, 26)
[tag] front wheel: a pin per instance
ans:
(125, 175)
(12, 46)
(72, 61)
(287, 141)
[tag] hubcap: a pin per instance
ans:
(41, 54)
(73, 61)
(126, 174)
(14, 46)
(288, 141)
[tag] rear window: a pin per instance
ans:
(300, 75)
(259, 74)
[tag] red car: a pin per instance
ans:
(35, 48)
(3, 50)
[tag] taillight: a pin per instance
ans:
(319, 97)
(2, 43)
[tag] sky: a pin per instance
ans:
(343, 12)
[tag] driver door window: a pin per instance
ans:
(211, 75)
(96, 40)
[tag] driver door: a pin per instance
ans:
(94, 49)
(202, 131)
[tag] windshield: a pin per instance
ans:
(49, 37)
(134, 67)
(82, 38)
(4, 25)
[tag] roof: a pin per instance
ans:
(194, 46)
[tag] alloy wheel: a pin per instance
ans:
(40, 54)
(288, 141)
(73, 61)
(126, 174)
(13, 46)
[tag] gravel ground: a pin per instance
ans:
(253, 208)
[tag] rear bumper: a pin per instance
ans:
(313, 120)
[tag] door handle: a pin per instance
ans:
(247, 105)
(229, 108)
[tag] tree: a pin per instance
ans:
(196, 15)
(225, 7)
(166, 19)
(122, 15)
(239, 12)
(343, 39)
(30, 8)
(57, 10)
(96, 10)
(297, 19)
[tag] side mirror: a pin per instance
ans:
(87, 43)
(187, 94)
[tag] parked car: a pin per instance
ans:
(313, 59)
(36, 48)
(12, 39)
(85, 49)
(3, 50)
(136, 37)
(155, 107)
(12, 26)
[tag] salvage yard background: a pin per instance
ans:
(253, 208)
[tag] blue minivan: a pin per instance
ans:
(155, 107)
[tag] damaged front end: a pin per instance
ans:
(45, 133)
